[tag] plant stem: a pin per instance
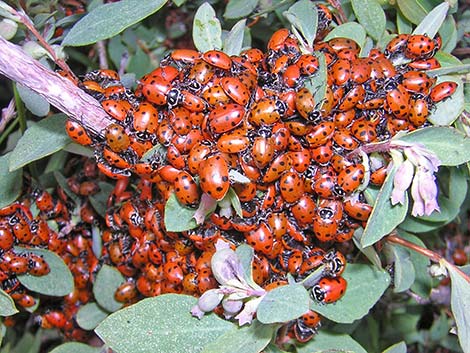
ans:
(433, 256)
(20, 111)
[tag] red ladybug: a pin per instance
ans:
(329, 289)
(214, 176)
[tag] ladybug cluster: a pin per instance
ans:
(61, 222)
(207, 128)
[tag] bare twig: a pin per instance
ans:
(7, 115)
(57, 90)
(101, 47)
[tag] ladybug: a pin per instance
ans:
(328, 289)
(116, 138)
(291, 186)
(53, 318)
(77, 133)
(308, 64)
(425, 64)
(201, 72)
(266, 111)
(364, 130)
(23, 299)
(218, 59)
(398, 101)
(103, 75)
(215, 95)
(190, 101)
(417, 82)
(420, 46)
(341, 43)
(186, 190)
(225, 117)
(351, 177)
(126, 292)
(335, 263)
(396, 46)
(304, 211)
(442, 91)
(145, 118)
(235, 89)
(37, 265)
(305, 104)
(6, 238)
(214, 176)
(175, 158)
(278, 39)
(320, 134)
(358, 210)
(344, 118)
(324, 229)
(341, 71)
(322, 154)
(277, 167)
(354, 96)
(418, 112)
(360, 70)
(117, 109)
(261, 239)
(185, 56)
(262, 151)
(233, 142)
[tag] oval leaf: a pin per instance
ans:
(370, 15)
(348, 308)
(107, 281)
(108, 20)
(40, 140)
(233, 42)
(57, 283)
(460, 305)
(283, 304)
(75, 347)
(7, 305)
(90, 315)
(33, 101)
(239, 8)
(396, 348)
(414, 10)
(351, 30)
(325, 342)
(404, 272)
(207, 31)
(10, 188)
(448, 144)
(303, 16)
(384, 217)
(433, 20)
(161, 324)
(247, 339)
(178, 218)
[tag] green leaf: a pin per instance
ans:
(108, 20)
(403, 25)
(10, 185)
(90, 315)
(371, 16)
(460, 305)
(449, 144)
(414, 10)
(423, 281)
(283, 304)
(330, 342)
(234, 202)
(449, 109)
(75, 347)
(453, 68)
(57, 283)
(161, 324)
(351, 30)
(35, 103)
(29, 343)
(233, 42)
(245, 254)
(139, 63)
(62, 181)
(384, 217)
(40, 140)
(396, 348)
(365, 282)
(247, 339)
(207, 31)
(316, 84)
(303, 16)
(368, 251)
(433, 21)
(7, 305)
(178, 218)
(404, 271)
(107, 281)
(239, 8)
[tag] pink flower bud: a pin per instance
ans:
(418, 202)
(428, 191)
(401, 182)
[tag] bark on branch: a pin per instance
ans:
(18, 66)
